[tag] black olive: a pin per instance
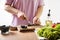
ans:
(23, 26)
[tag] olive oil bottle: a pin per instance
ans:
(48, 21)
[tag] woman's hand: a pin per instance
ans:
(21, 15)
(36, 20)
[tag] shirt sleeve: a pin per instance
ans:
(9, 2)
(40, 3)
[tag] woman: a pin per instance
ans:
(24, 11)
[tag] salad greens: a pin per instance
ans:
(49, 32)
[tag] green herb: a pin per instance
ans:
(50, 33)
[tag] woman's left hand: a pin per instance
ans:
(36, 20)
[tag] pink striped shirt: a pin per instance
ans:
(29, 7)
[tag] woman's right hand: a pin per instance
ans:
(21, 15)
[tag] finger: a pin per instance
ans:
(25, 17)
(34, 22)
(38, 21)
(22, 17)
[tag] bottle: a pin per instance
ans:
(48, 21)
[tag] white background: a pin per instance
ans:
(54, 5)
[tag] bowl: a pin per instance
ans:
(39, 37)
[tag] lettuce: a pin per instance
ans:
(48, 32)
